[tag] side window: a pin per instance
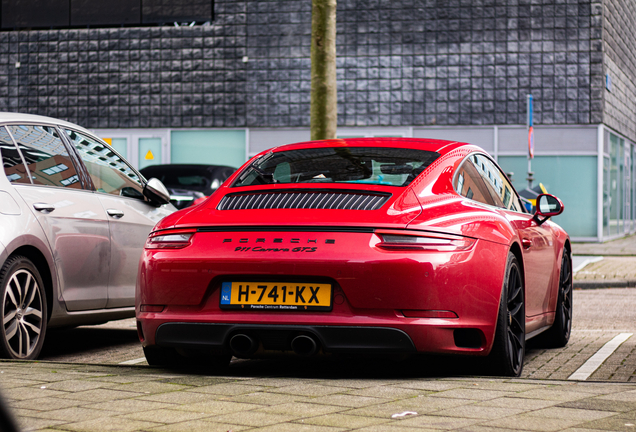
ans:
(469, 183)
(110, 174)
(47, 159)
(500, 188)
(14, 167)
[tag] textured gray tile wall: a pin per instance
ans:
(400, 62)
(620, 65)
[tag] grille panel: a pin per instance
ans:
(304, 200)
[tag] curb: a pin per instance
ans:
(599, 284)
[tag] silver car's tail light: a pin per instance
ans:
(171, 240)
(419, 242)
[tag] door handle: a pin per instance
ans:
(115, 213)
(526, 243)
(43, 207)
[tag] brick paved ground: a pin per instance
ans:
(623, 246)
(49, 396)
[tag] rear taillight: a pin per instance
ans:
(423, 242)
(169, 240)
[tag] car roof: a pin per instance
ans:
(428, 144)
(12, 117)
(180, 167)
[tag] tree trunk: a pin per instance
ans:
(324, 103)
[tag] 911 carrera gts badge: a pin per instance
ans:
(262, 249)
(278, 248)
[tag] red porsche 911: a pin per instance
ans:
(371, 246)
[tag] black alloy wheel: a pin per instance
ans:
(558, 335)
(23, 309)
(508, 350)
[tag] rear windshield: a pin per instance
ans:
(368, 165)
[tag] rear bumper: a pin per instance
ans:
(333, 339)
(373, 289)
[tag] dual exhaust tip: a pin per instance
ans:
(243, 345)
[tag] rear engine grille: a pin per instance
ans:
(304, 200)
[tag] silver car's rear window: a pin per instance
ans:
(367, 165)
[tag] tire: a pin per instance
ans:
(508, 351)
(23, 310)
(558, 335)
(171, 358)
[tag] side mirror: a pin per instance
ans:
(156, 192)
(547, 206)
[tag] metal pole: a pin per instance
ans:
(530, 130)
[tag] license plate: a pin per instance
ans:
(276, 296)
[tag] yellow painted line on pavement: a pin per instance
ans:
(599, 357)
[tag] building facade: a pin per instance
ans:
(220, 90)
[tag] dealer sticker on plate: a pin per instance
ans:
(276, 296)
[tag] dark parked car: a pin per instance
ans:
(188, 182)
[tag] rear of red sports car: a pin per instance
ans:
(342, 246)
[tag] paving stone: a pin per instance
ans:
(525, 422)
(148, 387)
(478, 412)
(117, 424)
(551, 394)
(254, 418)
(199, 381)
(310, 390)
(74, 385)
(471, 393)
(266, 398)
(229, 389)
(24, 393)
(297, 427)
(300, 409)
(75, 414)
(165, 416)
(625, 396)
(348, 400)
(216, 407)
(395, 427)
(388, 392)
(33, 423)
(358, 384)
(180, 398)
(421, 405)
(430, 385)
(98, 395)
(438, 422)
(129, 405)
(481, 428)
(343, 420)
(570, 413)
(46, 404)
(199, 426)
(518, 403)
(615, 423)
(600, 405)
(280, 382)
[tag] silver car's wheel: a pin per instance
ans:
(23, 311)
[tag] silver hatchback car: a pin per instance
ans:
(74, 217)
